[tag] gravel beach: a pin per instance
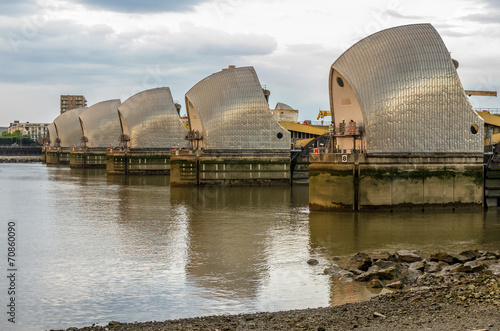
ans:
(447, 300)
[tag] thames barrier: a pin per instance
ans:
(403, 134)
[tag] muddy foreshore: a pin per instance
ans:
(455, 296)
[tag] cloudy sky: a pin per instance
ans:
(114, 49)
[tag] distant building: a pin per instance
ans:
(69, 102)
(285, 113)
(34, 130)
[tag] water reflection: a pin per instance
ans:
(98, 248)
(348, 233)
(235, 234)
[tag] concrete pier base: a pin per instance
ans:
(361, 182)
(44, 154)
(138, 162)
(88, 159)
(56, 155)
(229, 167)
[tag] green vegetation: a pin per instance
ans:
(16, 138)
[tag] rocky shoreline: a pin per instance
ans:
(20, 159)
(441, 291)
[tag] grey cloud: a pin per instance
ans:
(490, 13)
(18, 8)
(144, 6)
(488, 17)
(396, 14)
(65, 52)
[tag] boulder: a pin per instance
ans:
(446, 269)
(460, 268)
(494, 269)
(419, 265)
(359, 261)
(375, 283)
(389, 273)
(333, 270)
(474, 266)
(433, 267)
(366, 276)
(346, 276)
(312, 262)
(408, 256)
(397, 284)
(443, 256)
(411, 275)
(470, 255)
(384, 264)
(494, 255)
(384, 256)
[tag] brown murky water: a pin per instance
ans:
(94, 248)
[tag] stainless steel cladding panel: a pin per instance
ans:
(150, 119)
(101, 125)
(53, 133)
(233, 112)
(68, 127)
(410, 94)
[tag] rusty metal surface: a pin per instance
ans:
(230, 111)
(101, 125)
(150, 120)
(411, 97)
(68, 128)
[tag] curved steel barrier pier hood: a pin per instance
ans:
(149, 119)
(228, 110)
(402, 86)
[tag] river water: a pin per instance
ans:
(92, 248)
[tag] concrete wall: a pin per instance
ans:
(87, 159)
(138, 162)
(394, 182)
(230, 168)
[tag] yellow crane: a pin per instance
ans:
(324, 113)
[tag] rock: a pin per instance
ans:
(336, 258)
(389, 273)
(384, 256)
(495, 255)
(357, 272)
(384, 264)
(333, 270)
(397, 284)
(446, 257)
(373, 268)
(366, 276)
(470, 255)
(375, 283)
(433, 267)
(419, 265)
(346, 276)
(114, 324)
(446, 269)
(411, 275)
(408, 256)
(474, 266)
(460, 268)
(375, 314)
(361, 261)
(494, 269)
(312, 262)
(342, 274)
